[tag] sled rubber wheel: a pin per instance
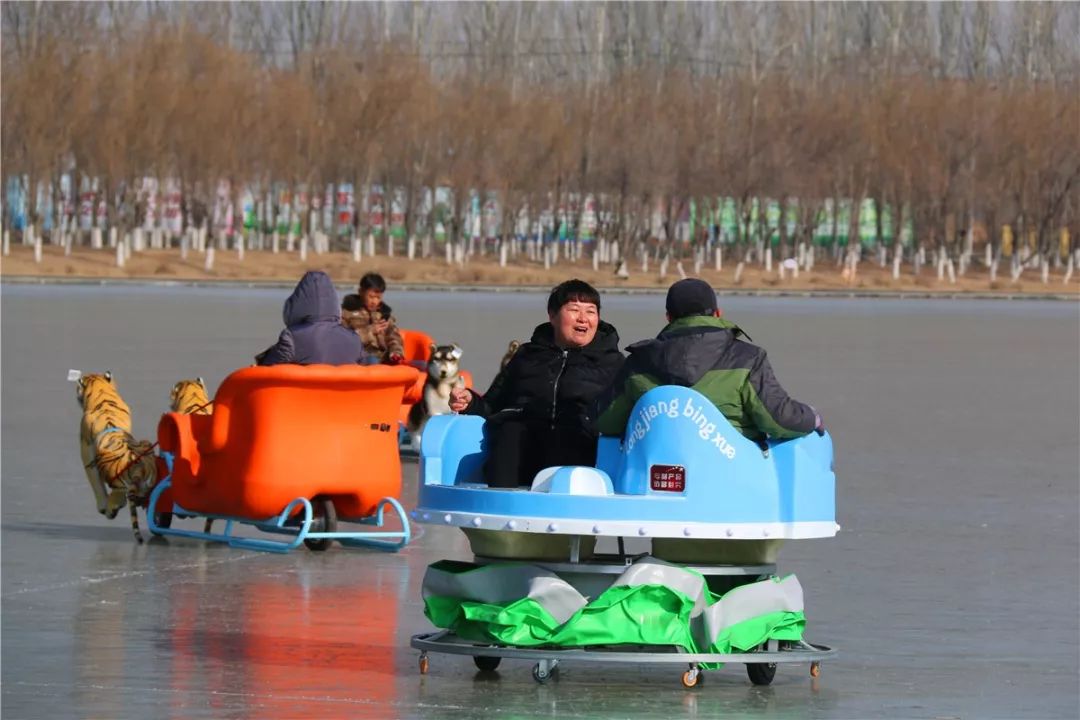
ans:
(423, 663)
(542, 676)
(761, 673)
(692, 678)
(163, 519)
(324, 516)
(815, 669)
(485, 663)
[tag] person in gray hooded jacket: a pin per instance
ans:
(313, 333)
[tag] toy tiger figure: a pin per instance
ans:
(119, 468)
(190, 397)
(510, 350)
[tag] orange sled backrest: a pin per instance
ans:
(417, 346)
(282, 432)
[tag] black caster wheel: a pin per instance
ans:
(761, 673)
(486, 663)
(324, 519)
(542, 675)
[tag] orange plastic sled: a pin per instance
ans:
(316, 442)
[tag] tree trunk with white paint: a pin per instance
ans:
(952, 271)
(410, 248)
(120, 255)
(7, 243)
(768, 259)
(1045, 266)
(718, 257)
(303, 248)
(209, 264)
(1068, 271)
(95, 239)
(37, 249)
(738, 271)
(502, 254)
(112, 237)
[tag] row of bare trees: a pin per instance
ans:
(961, 117)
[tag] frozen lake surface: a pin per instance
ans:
(951, 592)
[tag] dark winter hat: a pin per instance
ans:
(690, 297)
(352, 303)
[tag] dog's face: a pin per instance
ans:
(445, 362)
(91, 386)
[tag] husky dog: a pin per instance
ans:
(443, 375)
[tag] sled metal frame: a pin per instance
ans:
(390, 540)
(548, 658)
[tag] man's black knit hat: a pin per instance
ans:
(690, 297)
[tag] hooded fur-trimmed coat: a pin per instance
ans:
(363, 323)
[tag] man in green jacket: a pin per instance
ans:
(699, 350)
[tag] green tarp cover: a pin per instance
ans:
(652, 603)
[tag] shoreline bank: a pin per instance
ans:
(165, 268)
(6, 279)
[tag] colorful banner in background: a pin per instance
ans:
(15, 202)
(397, 213)
(171, 204)
(248, 210)
(375, 209)
(346, 206)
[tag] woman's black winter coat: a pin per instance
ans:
(546, 385)
(542, 408)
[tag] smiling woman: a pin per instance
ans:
(542, 407)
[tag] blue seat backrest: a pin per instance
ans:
(677, 426)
